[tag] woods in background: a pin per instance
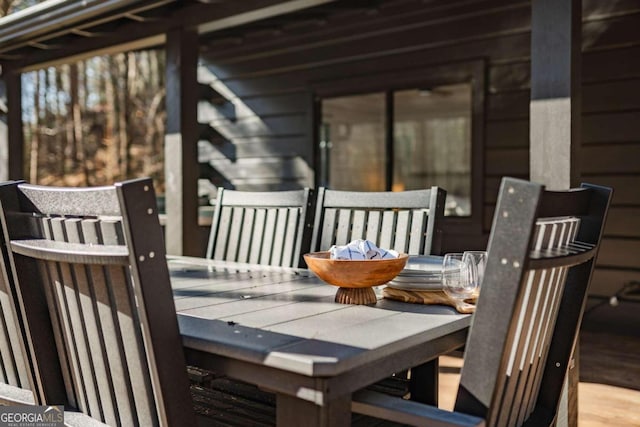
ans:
(11, 6)
(96, 121)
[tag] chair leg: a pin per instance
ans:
(423, 384)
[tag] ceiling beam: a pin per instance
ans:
(56, 59)
(262, 9)
(50, 16)
(42, 36)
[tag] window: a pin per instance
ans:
(407, 129)
(431, 142)
(354, 142)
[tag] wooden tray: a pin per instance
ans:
(429, 297)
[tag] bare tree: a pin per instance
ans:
(97, 121)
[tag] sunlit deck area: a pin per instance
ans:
(609, 389)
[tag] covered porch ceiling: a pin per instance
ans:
(56, 31)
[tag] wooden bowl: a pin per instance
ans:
(352, 273)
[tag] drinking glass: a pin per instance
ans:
(479, 259)
(459, 276)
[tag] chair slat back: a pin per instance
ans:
(539, 265)
(270, 228)
(535, 316)
(69, 288)
(406, 221)
(101, 270)
(14, 366)
(21, 384)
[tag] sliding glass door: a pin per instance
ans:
(400, 140)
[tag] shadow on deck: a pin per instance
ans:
(610, 344)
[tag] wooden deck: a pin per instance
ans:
(600, 405)
(609, 389)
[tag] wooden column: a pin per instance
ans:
(555, 114)
(555, 92)
(12, 136)
(181, 144)
(4, 132)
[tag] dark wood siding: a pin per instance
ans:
(272, 70)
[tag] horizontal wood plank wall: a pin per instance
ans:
(266, 141)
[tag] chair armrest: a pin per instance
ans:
(403, 411)
(11, 395)
(78, 419)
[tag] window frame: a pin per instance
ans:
(389, 81)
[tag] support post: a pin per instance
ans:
(555, 92)
(4, 132)
(181, 144)
(555, 121)
(12, 138)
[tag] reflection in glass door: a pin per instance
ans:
(428, 135)
(353, 142)
(432, 142)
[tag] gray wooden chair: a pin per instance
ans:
(270, 228)
(91, 275)
(528, 315)
(17, 382)
(406, 221)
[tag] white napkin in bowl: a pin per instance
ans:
(360, 250)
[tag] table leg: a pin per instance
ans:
(291, 411)
(423, 384)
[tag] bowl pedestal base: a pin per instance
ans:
(356, 296)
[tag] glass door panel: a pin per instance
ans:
(352, 146)
(432, 142)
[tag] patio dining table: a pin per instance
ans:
(280, 329)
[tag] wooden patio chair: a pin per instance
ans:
(528, 314)
(406, 221)
(17, 382)
(270, 228)
(90, 271)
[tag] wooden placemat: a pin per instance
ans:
(429, 297)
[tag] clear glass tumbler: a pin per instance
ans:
(459, 276)
(479, 259)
